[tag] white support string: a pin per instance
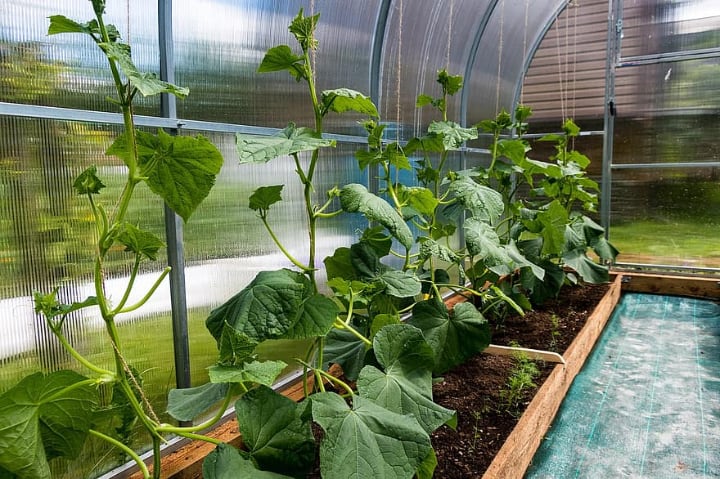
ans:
(399, 72)
(525, 52)
(500, 54)
(449, 35)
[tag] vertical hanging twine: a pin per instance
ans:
(561, 86)
(576, 6)
(127, 17)
(449, 35)
(525, 52)
(500, 54)
(313, 50)
(399, 73)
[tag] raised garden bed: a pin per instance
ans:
(490, 440)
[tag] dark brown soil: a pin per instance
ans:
(474, 389)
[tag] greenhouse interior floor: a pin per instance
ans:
(647, 402)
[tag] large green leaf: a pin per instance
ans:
(356, 198)
(453, 337)
(42, 417)
(140, 242)
(255, 372)
(147, 83)
(345, 349)
(276, 304)
(483, 241)
(62, 24)
(432, 249)
(453, 135)
(180, 169)
(281, 58)
(483, 202)
(418, 198)
(264, 197)
(187, 404)
(339, 265)
(315, 318)
(344, 99)
(291, 140)
(406, 385)
(400, 284)
(367, 441)
(88, 182)
(274, 433)
(226, 462)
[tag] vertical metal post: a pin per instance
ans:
(615, 9)
(173, 223)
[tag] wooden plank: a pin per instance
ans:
(514, 457)
(693, 286)
(186, 461)
(535, 354)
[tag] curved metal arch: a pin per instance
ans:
(378, 45)
(534, 48)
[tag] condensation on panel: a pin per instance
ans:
(219, 46)
(227, 244)
(69, 70)
(566, 78)
(666, 216)
(665, 26)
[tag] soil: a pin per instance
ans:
(474, 389)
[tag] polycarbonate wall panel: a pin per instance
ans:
(665, 26)
(512, 31)
(566, 78)
(685, 88)
(422, 38)
(667, 216)
(219, 46)
(69, 70)
(47, 240)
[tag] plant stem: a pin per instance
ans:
(169, 428)
(125, 449)
(282, 248)
(341, 325)
(80, 358)
(147, 296)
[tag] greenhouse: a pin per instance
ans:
(372, 239)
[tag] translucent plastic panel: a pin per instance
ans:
(512, 30)
(220, 44)
(682, 88)
(69, 70)
(566, 78)
(422, 38)
(665, 26)
(667, 216)
(48, 239)
(227, 244)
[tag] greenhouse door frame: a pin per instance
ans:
(615, 61)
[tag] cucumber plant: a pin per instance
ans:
(378, 417)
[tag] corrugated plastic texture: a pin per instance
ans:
(219, 46)
(665, 26)
(513, 28)
(566, 78)
(67, 70)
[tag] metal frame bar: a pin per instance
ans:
(173, 224)
(668, 57)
